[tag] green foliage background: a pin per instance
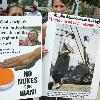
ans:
(26, 2)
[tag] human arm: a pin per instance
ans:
(44, 49)
(24, 61)
(44, 27)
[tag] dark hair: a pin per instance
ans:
(14, 5)
(32, 31)
(34, 7)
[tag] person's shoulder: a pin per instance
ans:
(37, 13)
(27, 13)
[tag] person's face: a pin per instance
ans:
(32, 9)
(33, 36)
(15, 11)
(59, 7)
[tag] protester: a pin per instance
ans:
(34, 11)
(58, 6)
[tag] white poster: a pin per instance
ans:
(20, 57)
(71, 68)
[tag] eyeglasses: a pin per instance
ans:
(16, 4)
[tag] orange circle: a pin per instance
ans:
(6, 76)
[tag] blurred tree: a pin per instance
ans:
(25, 2)
(41, 1)
(84, 9)
(10, 1)
(0, 1)
(95, 3)
(28, 2)
(94, 8)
